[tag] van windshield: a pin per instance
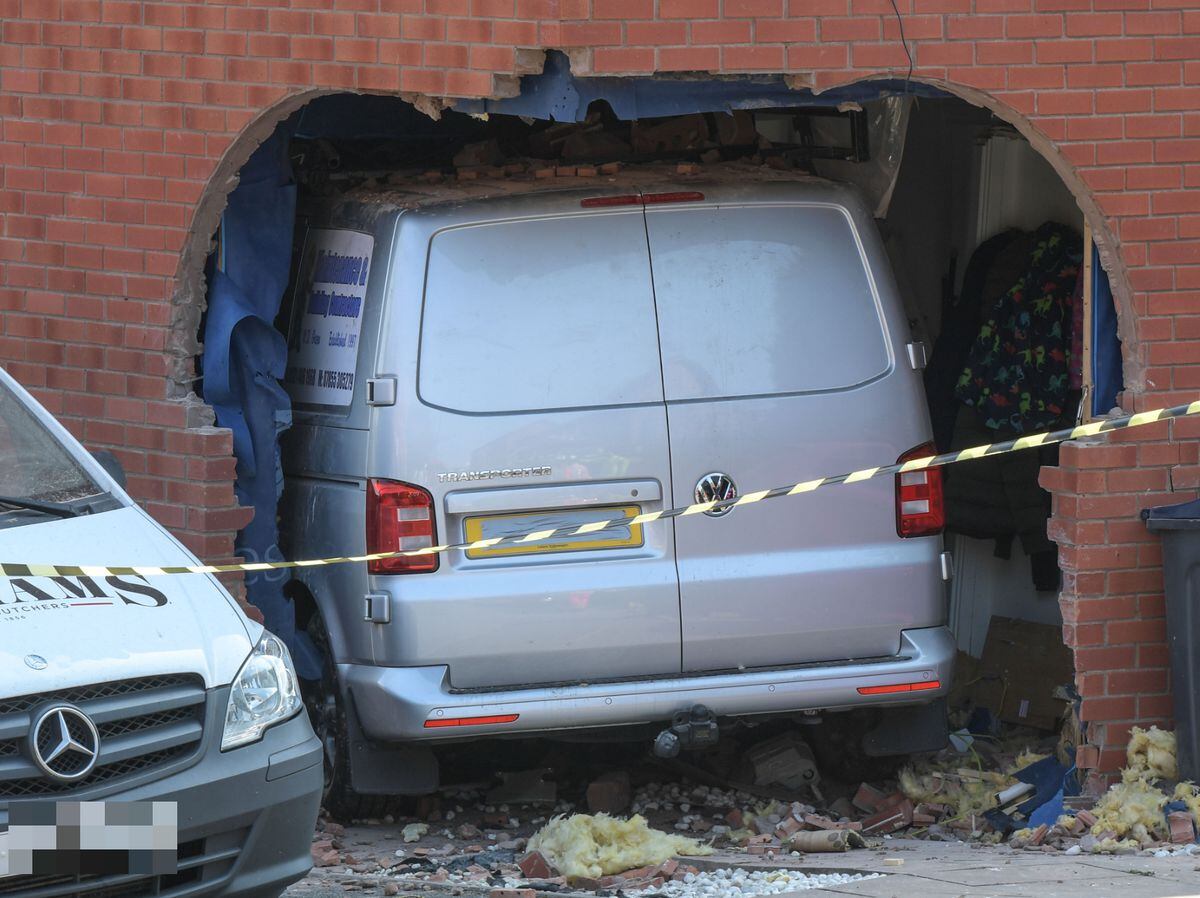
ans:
(34, 466)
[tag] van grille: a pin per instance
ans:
(144, 724)
(200, 861)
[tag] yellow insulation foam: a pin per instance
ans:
(413, 832)
(1132, 809)
(586, 845)
(1151, 754)
(1112, 846)
(1026, 758)
(966, 797)
(1189, 793)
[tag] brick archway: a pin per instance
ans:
(120, 121)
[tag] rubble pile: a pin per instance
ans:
(997, 793)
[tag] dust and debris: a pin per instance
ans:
(413, 832)
(595, 845)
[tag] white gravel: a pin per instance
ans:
(739, 883)
(669, 796)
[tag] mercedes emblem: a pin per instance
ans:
(64, 743)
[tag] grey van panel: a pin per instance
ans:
(759, 299)
(575, 329)
(817, 577)
(772, 301)
(325, 518)
(531, 618)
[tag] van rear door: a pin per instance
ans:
(778, 367)
(540, 405)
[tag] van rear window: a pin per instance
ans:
(540, 314)
(760, 300)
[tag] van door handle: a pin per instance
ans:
(381, 391)
(571, 495)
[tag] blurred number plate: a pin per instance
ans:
(493, 526)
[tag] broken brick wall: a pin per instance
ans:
(122, 123)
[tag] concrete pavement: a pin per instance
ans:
(928, 870)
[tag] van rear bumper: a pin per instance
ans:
(395, 703)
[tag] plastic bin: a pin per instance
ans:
(1180, 529)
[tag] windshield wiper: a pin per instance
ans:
(55, 508)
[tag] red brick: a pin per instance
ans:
(684, 59)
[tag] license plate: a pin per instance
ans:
(495, 526)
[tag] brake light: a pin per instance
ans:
(646, 199)
(399, 519)
(630, 199)
(680, 196)
(923, 686)
(433, 723)
(920, 501)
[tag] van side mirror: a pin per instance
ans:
(110, 464)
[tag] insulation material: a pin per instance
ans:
(1114, 846)
(1151, 755)
(585, 845)
(964, 796)
(1132, 809)
(413, 832)
(1025, 759)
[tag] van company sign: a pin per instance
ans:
(327, 316)
(21, 597)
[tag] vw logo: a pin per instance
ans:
(35, 662)
(716, 487)
(64, 743)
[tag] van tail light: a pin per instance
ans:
(920, 500)
(399, 519)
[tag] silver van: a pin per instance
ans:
(478, 360)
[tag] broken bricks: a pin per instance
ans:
(867, 798)
(890, 819)
(535, 866)
(1183, 831)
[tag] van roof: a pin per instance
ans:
(412, 190)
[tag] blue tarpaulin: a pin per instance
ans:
(559, 95)
(243, 362)
(1108, 378)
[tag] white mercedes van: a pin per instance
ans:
(487, 358)
(123, 687)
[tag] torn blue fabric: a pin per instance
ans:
(557, 94)
(243, 361)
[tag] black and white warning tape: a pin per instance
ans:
(13, 569)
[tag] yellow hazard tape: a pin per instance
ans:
(1026, 442)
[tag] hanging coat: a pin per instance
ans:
(1017, 370)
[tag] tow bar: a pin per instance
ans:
(690, 729)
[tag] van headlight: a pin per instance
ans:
(265, 692)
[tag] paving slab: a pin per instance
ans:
(934, 870)
(929, 870)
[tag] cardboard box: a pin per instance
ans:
(1022, 664)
